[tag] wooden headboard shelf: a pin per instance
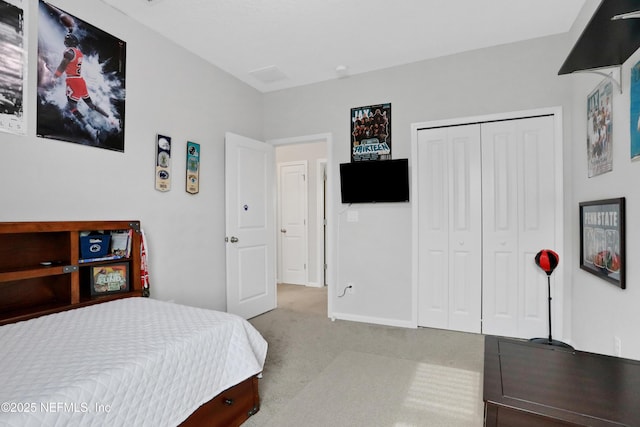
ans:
(40, 272)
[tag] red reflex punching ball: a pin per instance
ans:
(547, 260)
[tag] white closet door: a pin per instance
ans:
(450, 251)
(518, 192)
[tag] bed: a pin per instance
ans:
(70, 355)
(130, 361)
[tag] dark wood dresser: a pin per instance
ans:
(530, 385)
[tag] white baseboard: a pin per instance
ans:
(375, 320)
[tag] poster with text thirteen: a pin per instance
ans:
(13, 66)
(634, 111)
(371, 133)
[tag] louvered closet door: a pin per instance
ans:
(450, 255)
(518, 193)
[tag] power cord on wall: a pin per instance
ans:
(345, 291)
(340, 213)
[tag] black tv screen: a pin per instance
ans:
(375, 181)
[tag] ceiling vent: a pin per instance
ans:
(268, 74)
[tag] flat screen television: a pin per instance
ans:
(379, 181)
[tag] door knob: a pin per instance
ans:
(234, 239)
(283, 230)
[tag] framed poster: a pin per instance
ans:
(599, 130)
(13, 67)
(602, 239)
(163, 163)
(81, 81)
(634, 111)
(109, 279)
(371, 133)
(193, 168)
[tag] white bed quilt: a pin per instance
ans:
(129, 362)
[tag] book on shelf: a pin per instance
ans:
(121, 243)
(103, 258)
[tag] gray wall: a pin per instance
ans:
(53, 180)
(601, 311)
(375, 253)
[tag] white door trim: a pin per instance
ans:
(560, 291)
(321, 166)
(332, 188)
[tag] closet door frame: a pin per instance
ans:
(559, 305)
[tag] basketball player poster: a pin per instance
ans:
(81, 81)
(12, 67)
(371, 133)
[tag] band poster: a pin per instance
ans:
(81, 81)
(13, 67)
(634, 111)
(599, 129)
(371, 133)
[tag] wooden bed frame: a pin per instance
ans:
(230, 408)
(40, 274)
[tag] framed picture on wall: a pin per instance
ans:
(600, 129)
(109, 279)
(602, 239)
(13, 67)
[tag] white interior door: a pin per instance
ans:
(450, 226)
(519, 210)
(293, 212)
(250, 226)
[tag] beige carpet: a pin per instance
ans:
(323, 373)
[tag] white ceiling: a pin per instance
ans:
(297, 42)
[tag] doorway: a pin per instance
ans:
(316, 151)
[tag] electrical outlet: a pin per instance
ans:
(617, 346)
(351, 288)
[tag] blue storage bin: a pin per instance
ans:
(94, 246)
